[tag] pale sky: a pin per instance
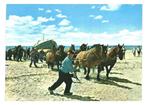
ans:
(74, 23)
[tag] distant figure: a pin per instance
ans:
(28, 53)
(139, 51)
(134, 51)
(124, 52)
(41, 55)
(25, 54)
(34, 57)
(9, 54)
(14, 53)
(19, 53)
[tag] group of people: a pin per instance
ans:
(35, 56)
(137, 51)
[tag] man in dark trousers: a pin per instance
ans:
(64, 75)
(34, 57)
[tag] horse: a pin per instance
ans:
(51, 57)
(55, 56)
(9, 54)
(104, 52)
(17, 53)
(60, 55)
(83, 47)
(89, 58)
(110, 60)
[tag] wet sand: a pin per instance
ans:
(30, 84)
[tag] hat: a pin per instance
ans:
(70, 52)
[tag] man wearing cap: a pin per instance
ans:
(64, 74)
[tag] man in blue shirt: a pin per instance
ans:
(64, 75)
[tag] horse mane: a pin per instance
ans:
(94, 51)
(91, 50)
(113, 52)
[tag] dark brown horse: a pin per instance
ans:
(60, 55)
(83, 47)
(55, 56)
(104, 52)
(17, 53)
(72, 47)
(110, 60)
(89, 58)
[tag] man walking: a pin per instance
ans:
(34, 57)
(64, 75)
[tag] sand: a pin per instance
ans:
(30, 84)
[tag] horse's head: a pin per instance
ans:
(72, 47)
(83, 47)
(105, 50)
(99, 49)
(61, 48)
(120, 51)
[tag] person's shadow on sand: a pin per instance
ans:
(81, 98)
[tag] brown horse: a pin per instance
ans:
(55, 56)
(110, 60)
(89, 58)
(51, 57)
(60, 55)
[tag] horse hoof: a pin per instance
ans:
(107, 78)
(87, 78)
(78, 70)
(98, 79)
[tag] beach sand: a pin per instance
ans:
(31, 84)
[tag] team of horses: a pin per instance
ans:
(97, 56)
(88, 57)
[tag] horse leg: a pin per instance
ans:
(85, 71)
(98, 72)
(93, 69)
(52, 65)
(58, 65)
(9, 57)
(75, 67)
(108, 70)
(48, 64)
(87, 76)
